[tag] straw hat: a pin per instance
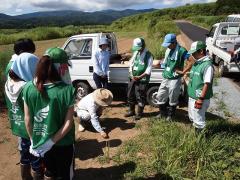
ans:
(102, 97)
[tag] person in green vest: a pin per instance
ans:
(139, 75)
(169, 90)
(48, 108)
(200, 85)
(14, 100)
(23, 45)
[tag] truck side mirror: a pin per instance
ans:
(207, 35)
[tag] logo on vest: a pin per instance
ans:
(41, 114)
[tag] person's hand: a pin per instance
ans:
(104, 135)
(104, 76)
(136, 78)
(41, 150)
(179, 72)
(198, 104)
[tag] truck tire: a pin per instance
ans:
(151, 96)
(82, 90)
(221, 69)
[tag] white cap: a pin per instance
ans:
(138, 43)
(103, 41)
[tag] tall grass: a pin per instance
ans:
(167, 150)
(45, 33)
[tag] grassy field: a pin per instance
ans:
(174, 151)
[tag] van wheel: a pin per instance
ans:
(152, 96)
(221, 69)
(82, 90)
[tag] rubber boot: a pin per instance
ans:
(26, 172)
(171, 113)
(131, 111)
(37, 175)
(139, 113)
(162, 111)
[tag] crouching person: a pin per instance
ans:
(200, 85)
(89, 108)
(48, 107)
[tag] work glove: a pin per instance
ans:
(41, 150)
(198, 104)
(32, 151)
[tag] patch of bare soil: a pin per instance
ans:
(90, 146)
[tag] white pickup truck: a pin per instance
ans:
(222, 41)
(81, 48)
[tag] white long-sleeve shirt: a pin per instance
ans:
(88, 104)
(101, 62)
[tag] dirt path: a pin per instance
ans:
(92, 151)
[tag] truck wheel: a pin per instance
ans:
(221, 69)
(82, 90)
(152, 96)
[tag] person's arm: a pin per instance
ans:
(27, 119)
(207, 77)
(68, 123)
(147, 71)
(94, 119)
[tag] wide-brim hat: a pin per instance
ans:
(195, 46)
(103, 97)
(103, 41)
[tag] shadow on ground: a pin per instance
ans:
(91, 148)
(109, 173)
(111, 123)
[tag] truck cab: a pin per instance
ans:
(233, 18)
(222, 41)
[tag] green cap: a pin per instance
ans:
(196, 46)
(57, 55)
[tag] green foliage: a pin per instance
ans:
(168, 150)
(206, 21)
(45, 33)
(5, 56)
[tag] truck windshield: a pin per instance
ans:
(212, 31)
(79, 49)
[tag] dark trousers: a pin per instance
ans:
(100, 82)
(26, 158)
(137, 93)
(59, 162)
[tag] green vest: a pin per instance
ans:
(172, 64)
(48, 114)
(139, 68)
(9, 65)
(196, 81)
(16, 117)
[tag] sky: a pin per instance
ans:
(17, 7)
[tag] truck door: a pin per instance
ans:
(80, 55)
(210, 39)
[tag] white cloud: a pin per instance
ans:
(26, 6)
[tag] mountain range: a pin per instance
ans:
(65, 17)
